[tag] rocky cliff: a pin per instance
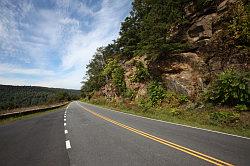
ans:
(216, 37)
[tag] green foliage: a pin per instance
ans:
(109, 68)
(26, 96)
(145, 104)
(156, 17)
(230, 88)
(95, 80)
(141, 74)
(183, 98)
(129, 94)
(115, 72)
(241, 107)
(144, 31)
(175, 112)
(118, 79)
(148, 30)
(224, 118)
(239, 23)
(129, 36)
(156, 92)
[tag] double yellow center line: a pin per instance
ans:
(165, 142)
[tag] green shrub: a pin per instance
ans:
(230, 88)
(183, 98)
(129, 94)
(109, 68)
(118, 79)
(239, 23)
(224, 118)
(241, 107)
(156, 92)
(145, 104)
(141, 73)
(115, 72)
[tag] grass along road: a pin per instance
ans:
(191, 118)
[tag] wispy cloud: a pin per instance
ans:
(11, 69)
(56, 37)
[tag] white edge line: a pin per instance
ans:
(170, 122)
(68, 106)
(65, 131)
(68, 144)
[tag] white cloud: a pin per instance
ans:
(55, 33)
(70, 80)
(84, 9)
(15, 81)
(105, 29)
(11, 69)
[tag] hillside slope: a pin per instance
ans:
(183, 45)
(25, 96)
(178, 59)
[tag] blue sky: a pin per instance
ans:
(50, 42)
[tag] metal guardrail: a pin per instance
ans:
(21, 113)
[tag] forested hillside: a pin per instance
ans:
(25, 96)
(174, 56)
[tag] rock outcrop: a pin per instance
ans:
(182, 76)
(130, 70)
(213, 50)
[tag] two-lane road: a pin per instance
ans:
(84, 134)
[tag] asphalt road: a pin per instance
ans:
(84, 134)
(37, 141)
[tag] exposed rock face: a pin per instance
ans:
(223, 6)
(109, 91)
(130, 69)
(201, 29)
(182, 76)
(190, 72)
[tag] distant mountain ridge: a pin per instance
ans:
(25, 96)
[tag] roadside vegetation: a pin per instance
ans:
(130, 74)
(223, 107)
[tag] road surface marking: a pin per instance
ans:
(178, 124)
(68, 106)
(64, 124)
(64, 120)
(68, 144)
(165, 142)
(65, 131)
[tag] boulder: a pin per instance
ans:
(201, 28)
(183, 76)
(223, 6)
